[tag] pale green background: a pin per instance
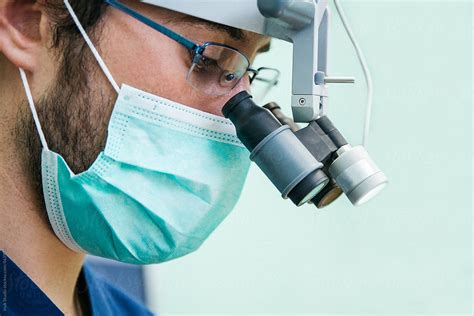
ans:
(408, 251)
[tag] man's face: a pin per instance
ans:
(75, 99)
(144, 58)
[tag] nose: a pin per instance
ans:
(245, 83)
(214, 105)
(242, 85)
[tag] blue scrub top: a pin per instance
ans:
(20, 296)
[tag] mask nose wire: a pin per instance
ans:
(31, 103)
(94, 51)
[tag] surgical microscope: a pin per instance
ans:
(314, 164)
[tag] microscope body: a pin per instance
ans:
(304, 23)
(314, 163)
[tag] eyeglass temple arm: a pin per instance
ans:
(255, 73)
(160, 28)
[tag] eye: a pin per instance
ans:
(230, 77)
(208, 62)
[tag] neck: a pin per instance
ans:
(25, 235)
(30, 243)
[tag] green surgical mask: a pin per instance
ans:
(168, 176)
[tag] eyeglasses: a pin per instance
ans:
(215, 68)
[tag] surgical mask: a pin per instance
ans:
(168, 176)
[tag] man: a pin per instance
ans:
(68, 124)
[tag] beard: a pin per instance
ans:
(73, 112)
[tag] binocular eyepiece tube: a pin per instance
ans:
(276, 150)
(314, 164)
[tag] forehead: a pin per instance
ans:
(206, 28)
(235, 34)
(244, 40)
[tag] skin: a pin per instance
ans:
(136, 55)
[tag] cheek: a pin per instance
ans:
(214, 105)
(143, 58)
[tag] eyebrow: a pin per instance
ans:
(265, 48)
(234, 33)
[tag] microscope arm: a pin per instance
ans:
(304, 23)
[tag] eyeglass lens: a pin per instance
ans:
(218, 70)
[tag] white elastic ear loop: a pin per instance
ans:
(96, 54)
(29, 96)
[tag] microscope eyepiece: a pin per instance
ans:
(297, 161)
(276, 150)
(252, 122)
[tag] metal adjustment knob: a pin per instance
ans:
(321, 79)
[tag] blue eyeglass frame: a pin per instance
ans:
(196, 49)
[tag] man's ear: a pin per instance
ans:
(20, 32)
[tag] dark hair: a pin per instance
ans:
(64, 31)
